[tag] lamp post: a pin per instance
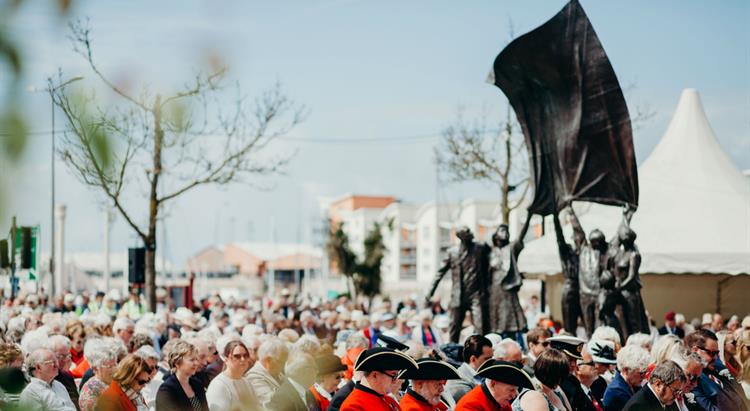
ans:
(50, 89)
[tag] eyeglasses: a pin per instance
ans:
(241, 357)
(709, 352)
(692, 378)
(143, 382)
(732, 342)
(48, 362)
(394, 377)
(589, 363)
(676, 391)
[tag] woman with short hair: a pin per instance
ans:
(228, 391)
(12, 378)
(550, 369)
(75, 331)
(179, 391)
(124, 393)
(102, 361)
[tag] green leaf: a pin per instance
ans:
(15, 133)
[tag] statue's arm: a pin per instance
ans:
(518, 244)
(440, 274)
(561, 246)
(577, 227)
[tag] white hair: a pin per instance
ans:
(97, 351)
(502, 348)
(102, 320)
(644, 340)
(307, 344)
(273, 348)
(147, 352)
(633, 357)
(665, 347)
(122, 323)
(299, 364)
(55, 341)
(34, 340)
(606, 333)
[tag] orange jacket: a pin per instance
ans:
(479, 399)
(114, 399)
(81, 368)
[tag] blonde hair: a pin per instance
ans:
(129, 369)
(178, 351)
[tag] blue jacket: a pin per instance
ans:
(712, 397)
(617, 394)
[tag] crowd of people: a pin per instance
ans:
(105, 353)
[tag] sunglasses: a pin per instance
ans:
(241, 357)
(393, 377)
(142, 382)
(544, 343)
(589, 363)
(709, 352)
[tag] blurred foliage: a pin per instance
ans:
(13, 128)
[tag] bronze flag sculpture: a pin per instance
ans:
(577, 129)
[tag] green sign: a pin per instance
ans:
(34, 246)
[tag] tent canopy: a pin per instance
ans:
(694, 212)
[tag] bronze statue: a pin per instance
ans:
(592, 261)
(625, 265)
(506, 314)
(569, 259)
(469, 272)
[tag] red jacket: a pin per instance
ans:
(114, 399)
(415, 402)
(479, 399)
(365, 399)
(321, 400)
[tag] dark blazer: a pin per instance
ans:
(340, 396)
(678, 331)
(617, 395)
(171, 396)
(712, 397)
(644, 400)
(66, 379)
(286, 398)
(598, 387)
(578, 399)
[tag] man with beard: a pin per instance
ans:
(427, 384)
(715, 391)
(380, 367)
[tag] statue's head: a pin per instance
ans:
(627, 236)
(597, 240)
(501, 236)
(464, 234)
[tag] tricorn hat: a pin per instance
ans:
(430, 369)
(390, 342)
(328, 364)
(571, 346)
(603, 351)
(383, 359)
(505, 372)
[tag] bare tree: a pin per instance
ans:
(168, 145)
(497, 155)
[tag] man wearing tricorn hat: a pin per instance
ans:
(380, 367)
(500, 387)
(427, 384)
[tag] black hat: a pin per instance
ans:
(571, 346)
(430, 369)
(329, 364)
(505, 372)
(390, 342)
(383, 359)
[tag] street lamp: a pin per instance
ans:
(51, 90)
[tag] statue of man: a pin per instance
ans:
(571, 306)
(625, 265)
(506, 314)
(610, 293)
(592, 261)
(468, 268)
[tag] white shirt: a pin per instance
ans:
(322, 392)
(225, 394)
(39, 395)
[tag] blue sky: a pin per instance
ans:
(364, 69)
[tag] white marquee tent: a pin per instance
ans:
(693, 218)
